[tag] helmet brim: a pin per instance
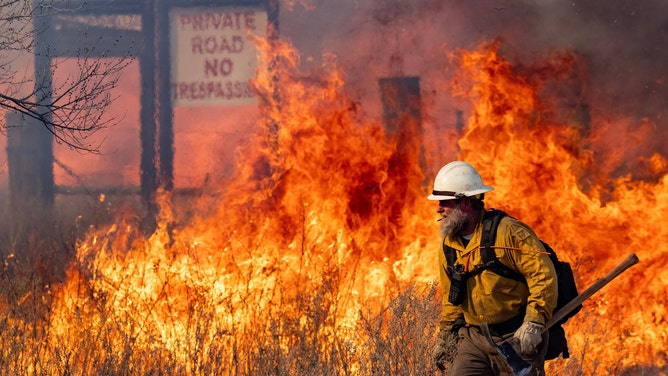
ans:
(478, 191)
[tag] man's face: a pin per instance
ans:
(453, 217)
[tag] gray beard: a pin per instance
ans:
(451, 224)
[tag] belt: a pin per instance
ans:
(508, 326)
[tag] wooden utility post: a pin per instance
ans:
(402, 115)
(30, 161)
(27, 142)
(148, 108)
(165, 110)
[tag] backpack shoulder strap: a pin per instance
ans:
(450, 255)
(490, 224)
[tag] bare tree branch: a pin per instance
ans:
(72, 108)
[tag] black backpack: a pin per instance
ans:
(567, 289)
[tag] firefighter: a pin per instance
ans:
(474, 294)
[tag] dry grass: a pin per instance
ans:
(299, 332)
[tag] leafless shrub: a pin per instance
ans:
(401, 336)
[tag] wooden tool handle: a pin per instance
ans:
(631, 260)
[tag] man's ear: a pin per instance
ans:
(465, 203)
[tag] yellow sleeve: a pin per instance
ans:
(535, 264)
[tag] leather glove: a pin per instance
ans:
(530, 335)
(444, 348)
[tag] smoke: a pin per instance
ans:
(616, 89)
(624, 47)
(626, 43)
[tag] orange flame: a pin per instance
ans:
(325, 211)
(316, 205)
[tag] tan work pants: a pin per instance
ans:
(477, 357)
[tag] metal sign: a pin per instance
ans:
(213, 56)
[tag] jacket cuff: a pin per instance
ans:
(534, 317)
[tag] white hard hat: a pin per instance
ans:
(456, 180)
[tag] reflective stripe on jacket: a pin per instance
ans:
(494, 299)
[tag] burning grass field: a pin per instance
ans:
(93, 323)
(319, 256)
(57, 324)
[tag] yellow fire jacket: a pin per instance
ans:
(494, 299)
